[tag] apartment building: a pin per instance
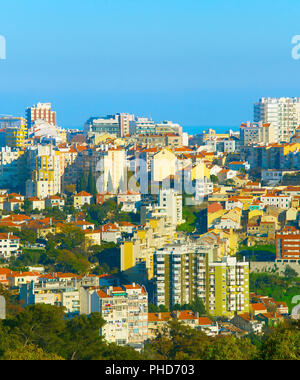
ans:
(125, 310)
(117, 125)
(257, 133)
(282, 113)
(52, 291)
(288, 244)
(180, 273)
(171, 202)
(183, 272)
(277, 200)
(137, 253)
(9, 245)
(142, 126)
(227, 287)
(15, 136)
(44, 165)
(40, 111)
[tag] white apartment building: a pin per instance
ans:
(257, 133)
(180, 273)
(142, 126)
(125, 310)
(171, 202)
(280, 201)
(282, 113)
(117, 125)
(9, 245)
(63, 293)
(203, 188)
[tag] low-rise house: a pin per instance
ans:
(84, 225)
(247, 323)
(81, 199)
(37, 204)
(16, 279)
(13, 204)
(41, 227)
(16, 218)
(157, 322)
(4, 272)
(54, 201)
(103, 197)
(92, 237)
(270, 319)
(239, 165)
(130, 201)
(226, 174)
(110, 233)
(257, 308)
(127, 227)
(191, 319)
(231, 220)
(227, 329)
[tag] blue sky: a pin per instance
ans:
(190, 61)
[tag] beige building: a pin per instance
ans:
(163, 165)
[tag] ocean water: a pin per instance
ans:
(191, 130)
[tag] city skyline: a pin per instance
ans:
(134, 58)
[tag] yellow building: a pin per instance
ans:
(228, 287)
(137, 254)
(15, 136)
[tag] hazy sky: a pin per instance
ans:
(191, 61)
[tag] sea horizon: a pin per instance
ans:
(190, 129)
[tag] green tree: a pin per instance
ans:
(91, 185)
(27, 235)
(282, 343)
(41, 325)
(29, 352)
(82, 340)
(289, 272)
(27, 206)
